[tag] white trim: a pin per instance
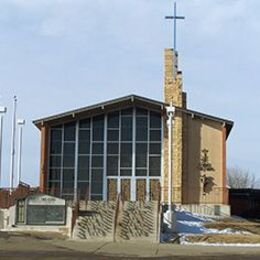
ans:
(162, 160)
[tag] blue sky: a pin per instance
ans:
(58, 55)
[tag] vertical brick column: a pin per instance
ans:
(44, 158)
(173, 94)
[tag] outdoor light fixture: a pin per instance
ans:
(2, 112)
(20, 123)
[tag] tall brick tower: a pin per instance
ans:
(173, 95)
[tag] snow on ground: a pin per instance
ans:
(192, 224)
(183, 242)
(188, 223)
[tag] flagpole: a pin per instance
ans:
(13, 144)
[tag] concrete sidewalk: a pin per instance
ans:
(146, 249)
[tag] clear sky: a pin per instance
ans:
(57, 55)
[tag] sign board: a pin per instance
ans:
(43, 209)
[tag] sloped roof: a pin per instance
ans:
(131, 99)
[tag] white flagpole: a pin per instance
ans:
(2, 112)
(13, 145)
(20, 123)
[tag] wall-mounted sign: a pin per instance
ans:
(42, 210)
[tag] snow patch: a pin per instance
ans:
(219, 244)
(193, 224)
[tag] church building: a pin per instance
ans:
(140, 148)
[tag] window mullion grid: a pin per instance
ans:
(148, 159)
(62, 158)
(105, 160)
(48, 162)
(133, 183)
(119, 153)
(76, 161)
(90, 157)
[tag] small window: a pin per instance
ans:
(113, 135)
(155, 135)
(84, 135)
(98, 134)
(141, 111)
(154, 165)
(55, 161)
(141, 172)
(68, 187)
(125, 172)
(155, 148)
(83, 174)
(84, 147)
(112, 148)
(141, 155)
(126, 148)
(126, 160)
(69, 149)
(55, 175)
(68, 175)
(83, 162)
(141, 129)
(126, 129)
(97, 175)
(155, 120)
(69, 131)
(113, 120)
(97, 161)
(98, 122)
(112, 165)
(127, 112)
(97, 148)
(55, 147)
(84, 123)
(98, 128)
(56, 135)
(96, 187)
(68, 161)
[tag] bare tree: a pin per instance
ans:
(239, 178)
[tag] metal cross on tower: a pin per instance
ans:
(174, 18)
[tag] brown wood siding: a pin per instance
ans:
(44, 158)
